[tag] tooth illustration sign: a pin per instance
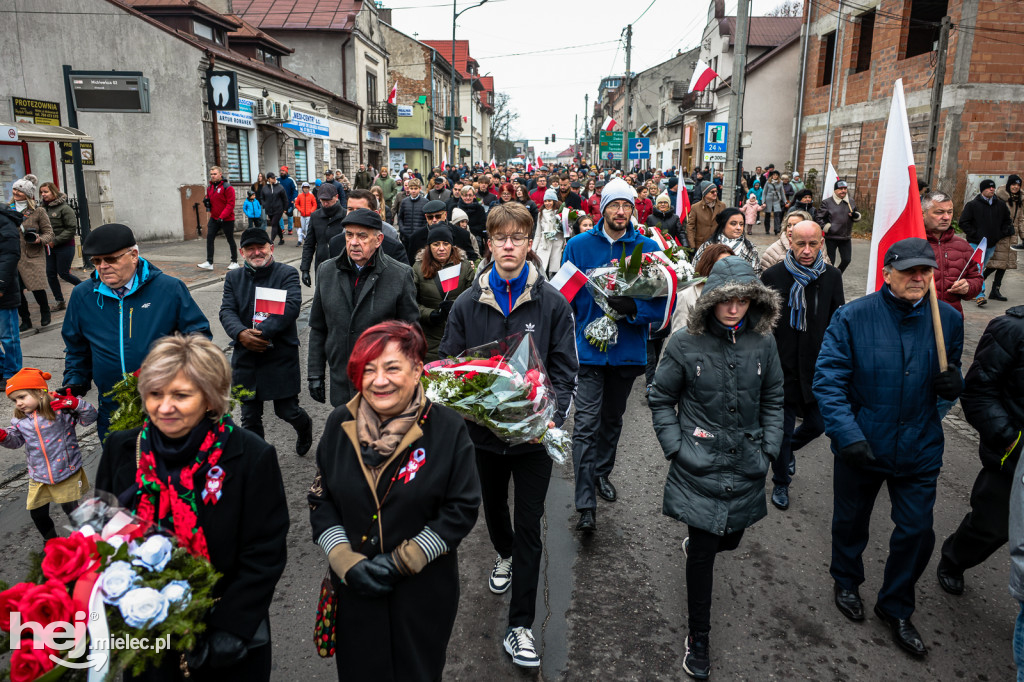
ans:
(222, 90)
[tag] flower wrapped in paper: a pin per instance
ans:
(504, 387)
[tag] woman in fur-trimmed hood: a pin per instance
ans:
(717, 409)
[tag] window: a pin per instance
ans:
(828, 58)
(371, 87)
(300, 161)
(268, 57)
(238, 155)
(864, 40)
(922, 26)
(208, 32)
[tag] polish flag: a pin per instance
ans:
(898, 204)
(608, 124)
(393, 97)
(540, 162)
(449, 278)
(494, 164)
(978, 257)
(830, 182)
(682, 201)
(270, 301)
(529, 166)
(569, 280)
(444, 160)
(702, 75)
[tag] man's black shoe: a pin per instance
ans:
(780, 497)
(950, 581)
(849, 603)
(903, 633)
(605, 488)
(587, 523)
(305, 440)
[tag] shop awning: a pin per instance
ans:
(35, 132)
(288, 132)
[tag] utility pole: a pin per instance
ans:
(936, 111)
(586, 124)
(734, 152)
(625, 133)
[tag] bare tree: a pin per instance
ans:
(502, 119)
(787, 8)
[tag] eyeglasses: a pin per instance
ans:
(623, 206)
(435, 216)
(517, 240)
(109, 260)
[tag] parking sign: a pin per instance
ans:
(716, 137)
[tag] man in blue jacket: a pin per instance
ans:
(115, 316)
(877, 381)
(291, 191)
(606, 376)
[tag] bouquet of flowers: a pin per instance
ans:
(127, 593)
(569, 217)
(504, 387)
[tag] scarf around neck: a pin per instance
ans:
(802, 276)
(383, 436)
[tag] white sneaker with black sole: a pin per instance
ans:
(519, 645)
(501, 575)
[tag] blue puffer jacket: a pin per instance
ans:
(873, 379)
(106, 337)
(593, 249)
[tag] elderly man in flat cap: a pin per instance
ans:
(115, 316)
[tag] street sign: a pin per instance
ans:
(610, 144)
(8, 134)
(640, 148)
(116, 91)
(716, 139)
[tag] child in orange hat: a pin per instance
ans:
(45, 424)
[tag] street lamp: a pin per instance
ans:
(451, 109)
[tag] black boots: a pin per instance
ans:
(995, 295)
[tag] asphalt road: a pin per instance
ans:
(614, 608)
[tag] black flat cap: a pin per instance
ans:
(109, 238)
(364, 217)
(909, 253)
(326, 191)
(254, 235)
(434, 205)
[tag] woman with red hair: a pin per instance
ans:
(395, 492)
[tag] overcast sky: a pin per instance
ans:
(548, 54)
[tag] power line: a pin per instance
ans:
(645, 11)
(550, 49)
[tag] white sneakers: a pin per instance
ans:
(501, 575)
(234, 266)
(205, 265)
(519, 645)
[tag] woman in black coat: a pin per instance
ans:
(184, 384)
(666, 220)
(396, 491)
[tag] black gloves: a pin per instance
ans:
(446, 306)
(948, 385)
(436, 316)
(369, 579)
(206, 203)
(386, 562)
(316, 390)
(219, 649)
(306, 279)
(77, 390)
(858, 454)
(623, 305)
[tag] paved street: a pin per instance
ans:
(614, 608)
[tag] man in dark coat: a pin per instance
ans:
(993, 403)
(258, 311)
(877, 381)
(986, 217)
(836, 215)
(360, 198)
(325, 223)
(811, 292)
(354, 291)
(292, 191)
(275, 201)
(10, 291)
(364, 178)
(566, 195)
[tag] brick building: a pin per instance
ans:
(981, 121)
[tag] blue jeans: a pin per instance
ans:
(1018, 644)
(10, 340)
(981, 268)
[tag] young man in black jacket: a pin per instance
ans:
(511, 297)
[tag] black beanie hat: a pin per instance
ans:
(987, 183)
(439, 232)
(801, 194)
(108, 238)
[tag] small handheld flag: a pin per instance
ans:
(449, 278)
(270, 301)
(978, 257)
(569, 280)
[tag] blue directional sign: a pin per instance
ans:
(716, 137)
(639, 147)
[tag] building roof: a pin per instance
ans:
(186, 7)
(248, 33)
(298, 15)
(764, 31)
(462, 57)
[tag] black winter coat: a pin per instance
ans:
(477, 216)
(322, 227)
(410, 217)
(274, 373)
(668, 223)
(476, 319)
(10, 254)
(980, 220)
(246, 531)
(403, 636)
(274, 198)
(993, 398)
(798, 351)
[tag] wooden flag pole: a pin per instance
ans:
(940, 342)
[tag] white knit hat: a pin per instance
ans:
(616, 189)
(26, 187)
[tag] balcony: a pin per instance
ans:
(697, 103)
(439, 121)
(448, 123)
(382, 116)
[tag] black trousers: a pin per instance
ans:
(985, 528)
(520, 539)
(792, 440)
(228, 228)
(844, 247)
(275, 226)
(772, 216)
(41, 299)
(601, 395)
(287, 409)
(58, 264)
(997, 281)
(41, 518)
(700, 573)
(654, 346)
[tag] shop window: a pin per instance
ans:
(864, 42)
(238, 155)
(921, 27)
(300, 174)
(828, 58)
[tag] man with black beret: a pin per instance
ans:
(354, 291)
(361, 198)
(115, 316)
(324, 224)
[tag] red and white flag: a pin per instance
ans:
(529, 166)
(702, 76)
(608, 124)
(449, 278)
(569, 280)
(978, 257)
(829, 186)
(393, 97)
(494, 164)
(898, 204)
(540, 162)
(270, 301)
(682, 202)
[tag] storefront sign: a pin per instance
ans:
(405, 110)
(36, 111)
(242, 118)
(310, 124)
(68, 156)
(374, 136)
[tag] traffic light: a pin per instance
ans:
(552, 137)
(545, 140)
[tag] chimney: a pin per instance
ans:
(385, 14)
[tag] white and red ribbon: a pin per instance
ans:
(658, 259)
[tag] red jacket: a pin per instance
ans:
(222, 201)
(538, 198)
(593, 207)
(952, 253)
(643, 209)
(306, 204)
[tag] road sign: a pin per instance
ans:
(610, 144)
(714, 157)
(639, 147)
(8, 134)
(716, 137)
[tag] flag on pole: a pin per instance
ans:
(898, 204)
(682, 201)
(569, 280)
(449, 278)
(830, 182)
(702, 76)
(393, 97)
(270, 301)
(978, 257)
(540, 162)
(529, 166)
(494, 164)
(444, 160)
(608, 124)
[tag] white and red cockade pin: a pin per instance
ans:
(417, 460)
(214, 485)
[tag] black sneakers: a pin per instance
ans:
(697, 662)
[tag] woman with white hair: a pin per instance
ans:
(36, 233)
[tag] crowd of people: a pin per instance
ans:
(756, 361)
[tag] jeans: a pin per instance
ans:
(812, 427)
(256, 222)
(10, 338)
(1018, 644)
(530, 474)
(989, 252)
(215, 226)
(287, 409)
(58, 264)
(841, 246)
(700, 573)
